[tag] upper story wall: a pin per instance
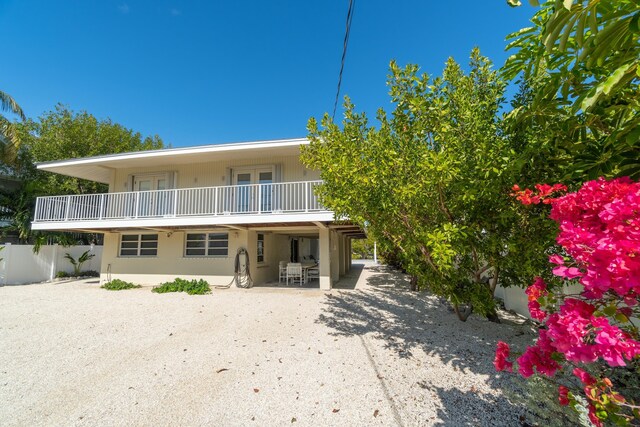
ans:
(215, 173)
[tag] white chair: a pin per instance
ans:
(282, 271)
(313, 273)
(294, 273)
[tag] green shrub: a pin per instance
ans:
(192, 287)
(77, 263)
(90, 273)
(62, 274)
(118, 285)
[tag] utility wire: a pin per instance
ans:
(344, 53)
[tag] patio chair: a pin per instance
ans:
(282, 271)
(294, 273)
(313, 273)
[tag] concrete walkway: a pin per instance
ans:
(375, 354)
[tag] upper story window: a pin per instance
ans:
(139, 245)
(206, 244)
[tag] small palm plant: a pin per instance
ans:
(77, 263)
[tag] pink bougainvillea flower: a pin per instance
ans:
(563, 395)
(556, 259)
(501, 361)
(535, 291)
(600, 237)
(567, 272)
(584, 376)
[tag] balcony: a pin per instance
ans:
(238, 204)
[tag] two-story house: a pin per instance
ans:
(185, 212)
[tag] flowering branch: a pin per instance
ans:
(589, 331)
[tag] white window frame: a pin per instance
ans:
(139, 245)
(206, 247)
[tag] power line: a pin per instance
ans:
(344, 53)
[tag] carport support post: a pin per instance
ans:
(325, 259)
(375, 252)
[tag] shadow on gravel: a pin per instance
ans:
(404, 322)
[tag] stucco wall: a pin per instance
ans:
(21, 265)
(170, 261)
(212, 174)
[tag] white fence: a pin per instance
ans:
(516, 299)
(20, 265)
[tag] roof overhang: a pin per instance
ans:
(100, 168)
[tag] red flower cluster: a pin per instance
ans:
(501, 361)
(535, 291)
(530, 197)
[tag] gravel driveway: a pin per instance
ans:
(75, 354)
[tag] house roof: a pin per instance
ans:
(99, 168)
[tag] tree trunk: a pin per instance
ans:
(492, 316)
(463, 313)
(413, 285)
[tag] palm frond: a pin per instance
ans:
(7, 103)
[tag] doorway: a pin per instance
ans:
(250, 197)
(150, 199)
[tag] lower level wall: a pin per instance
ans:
(171, 263)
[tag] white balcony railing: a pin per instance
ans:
(257, 199)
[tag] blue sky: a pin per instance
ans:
(205, 72)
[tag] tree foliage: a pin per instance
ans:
(581, 58)
(57, 135)
(64, 134)
(9, 141)
(432, 182)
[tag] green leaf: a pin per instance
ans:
(567, 4)
(615, 78)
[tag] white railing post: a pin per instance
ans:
(101, 205)
(306, 197)
(215, 200)
(66, 213)
(259, 198)
(36, 213)
(135, 213)
(175, 202)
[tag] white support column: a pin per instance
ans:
(325, 259)
(54, 262)
(335, 256)
(375, 252)
(341, 254)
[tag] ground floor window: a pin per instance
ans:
(260, 249)
(139, 245)
(207, 244)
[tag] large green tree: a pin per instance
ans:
(64, 134)
(432, 183)
(581, 59)
(57, 135)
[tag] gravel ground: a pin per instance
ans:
(74, 354)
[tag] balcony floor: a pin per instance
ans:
(244, 220)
